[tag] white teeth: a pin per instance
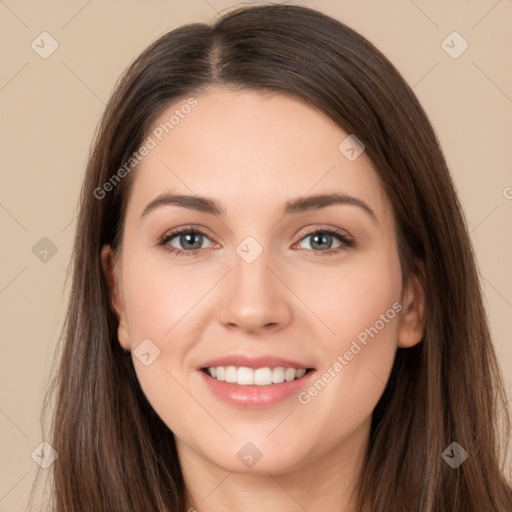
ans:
(289, 374)
(278, 375)
(244, 376)
(230, 374)
(263, 376)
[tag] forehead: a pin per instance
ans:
(250, 148)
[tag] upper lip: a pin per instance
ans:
(253, 362)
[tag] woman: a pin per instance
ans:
(267, 371)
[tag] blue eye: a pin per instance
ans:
(191, 240)
(323, 237)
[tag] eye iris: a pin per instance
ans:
(184, 239)
(320, 238)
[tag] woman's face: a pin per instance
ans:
(264, 286)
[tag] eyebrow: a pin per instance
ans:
(293, 206)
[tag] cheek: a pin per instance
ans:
(160, 304)
(159, 299)
(359, 302)
(363, 312)
(353, 297)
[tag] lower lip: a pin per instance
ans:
(255, 396)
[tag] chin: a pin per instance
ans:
(257, 457)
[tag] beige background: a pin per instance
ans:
(50, 108)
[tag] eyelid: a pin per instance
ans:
(187, 228)
(324, 228)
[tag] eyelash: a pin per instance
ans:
(346, 242)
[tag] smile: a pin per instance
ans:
(255, 387)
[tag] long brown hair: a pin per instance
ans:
(114, 453)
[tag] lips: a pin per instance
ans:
(234, 389)
(269, 361)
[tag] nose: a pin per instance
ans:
(254, 298)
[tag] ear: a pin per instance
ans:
(112, 274)
(413, 318)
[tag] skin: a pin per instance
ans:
(252, 152)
